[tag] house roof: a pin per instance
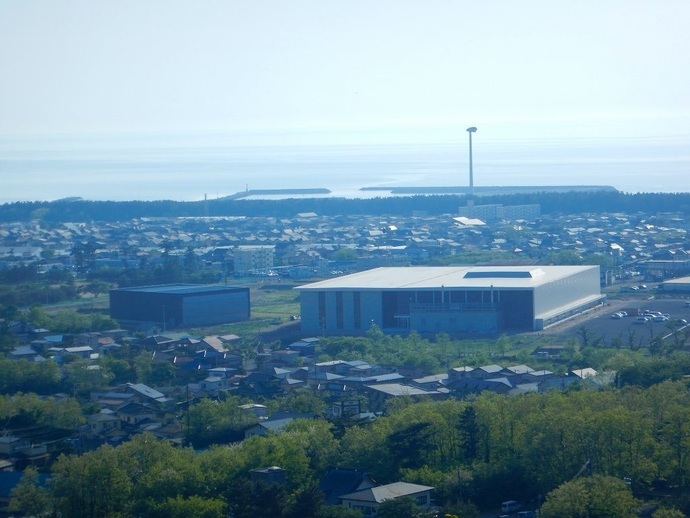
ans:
(584, 373)
(23, 350)
(491, 369)
(434, 378)
(387, 492)
(214, 342)
(339, 481)
(398, 389)
(79, 349)
(135, 409)
(519, 369)
(146, 391)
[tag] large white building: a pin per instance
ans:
(457, 299)
(250, 258)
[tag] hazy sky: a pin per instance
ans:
(586, 67)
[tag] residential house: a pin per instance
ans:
(381, 393)
(342, 481)
(85, 352)
(23, 352)
(259, 384)
(100, 427)
(275, 423)
(146, 395)
(368, 500)
(256, 409)
(305, 346)
(134, 417)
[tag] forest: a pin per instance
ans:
(551, 203)
(613, 448)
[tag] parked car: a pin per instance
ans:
(510, 506)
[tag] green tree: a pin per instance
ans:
(307, 502)
(596, 496)
(93, 484)
(190, 261)
(192, 507)
(303, 401)
(408, 446)
(345, 254)
(212, 422)
(30, 497)
(403, 507)
(96, 287)
(666, 512)
(121, 369)
(257, 500)
(337, 511)
(315, 436)
(469, 434)
(83, 377)
(84, 254)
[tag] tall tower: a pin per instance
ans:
(470, 131)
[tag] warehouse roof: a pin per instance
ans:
(435, 277)
(179, 289)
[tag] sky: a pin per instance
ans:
(349, 69)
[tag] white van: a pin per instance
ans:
(510, 506)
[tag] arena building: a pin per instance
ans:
(179, 305)
(454, 300)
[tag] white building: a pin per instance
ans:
(457, 299)
(254, 258)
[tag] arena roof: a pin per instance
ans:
(435, 277)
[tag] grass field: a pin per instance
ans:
(274, 302)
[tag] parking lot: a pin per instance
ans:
(599, 322)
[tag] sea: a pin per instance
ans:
(196, 167)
